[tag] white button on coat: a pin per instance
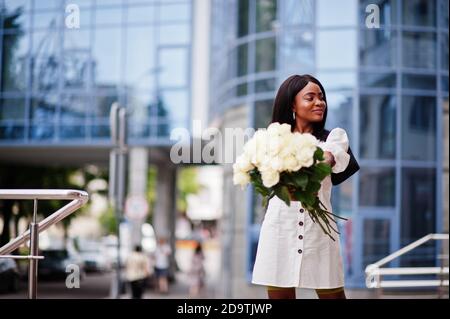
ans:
(293, 251)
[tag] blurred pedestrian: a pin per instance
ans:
(162, 263)
(137, 271)
(197, 271)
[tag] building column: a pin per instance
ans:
(445, 180)
(137, 186)
(164, 213)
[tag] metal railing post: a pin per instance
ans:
(34, 251)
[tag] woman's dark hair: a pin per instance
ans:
(198, 248)
(284, 101)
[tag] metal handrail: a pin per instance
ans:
(374, 271)
(78, 199)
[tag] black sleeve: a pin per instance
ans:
(351, 169)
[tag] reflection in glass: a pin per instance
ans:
(297, 12)
(340, 106)
(12, 130)
(376, 245)
(297, 50)
(100, 128)
(444, 51)
(420, 82)
(14, 61)
(377, 187)
(388, 11)
(172, 111)
(108, 16)
(341, 197)
(47, 4)
(419, 50)
(173, 64)
(106, 57)
(175, 12)
(45, 61)
(266, 14)
(140, 72)
(174, 34)
(12, 109)
(242, 89)
(243, 12)
(378, 47)
(139, 121)
(109, 2)
(263, 113)
(43, 110)
(103, 106)
(444, 84)
(242, 60)
(141, 14)
(12, 5)
(266, 85)
(329, 51)
(378, 80)
(15, 19)
(419, 128)
(76, 58)
(49, 20)
(418, 217)
(334, 80)
(265, 55)
(337, 13)
(419, 13)
(443, 10)
(73, 109)
(377, 126)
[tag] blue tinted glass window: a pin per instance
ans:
(377, 187)
(377, 127)
(419, 128)
(173, 67)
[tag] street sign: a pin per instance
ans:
(136, 207)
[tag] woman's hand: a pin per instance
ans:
(329, 158)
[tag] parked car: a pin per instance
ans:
(94, 257)
(55, 263)
(9, 275)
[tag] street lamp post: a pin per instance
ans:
(117, 164)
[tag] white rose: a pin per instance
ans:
(285, 129)
(274, 129)
(250, 147)
(306, 157)
(241, 178)
(291, 164)
(277, 164)
(270, 178)
(243, 163)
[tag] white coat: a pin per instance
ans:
(293, 251)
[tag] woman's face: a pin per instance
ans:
(309, 103)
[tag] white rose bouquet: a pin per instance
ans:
(288, 165)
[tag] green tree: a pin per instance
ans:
(187, 184)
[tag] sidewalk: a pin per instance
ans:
(179, 289)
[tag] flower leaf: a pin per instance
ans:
(300, 180)
(318, 154)
(283, 193)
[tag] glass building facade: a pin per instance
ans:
(57, 82)
(385, 86)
